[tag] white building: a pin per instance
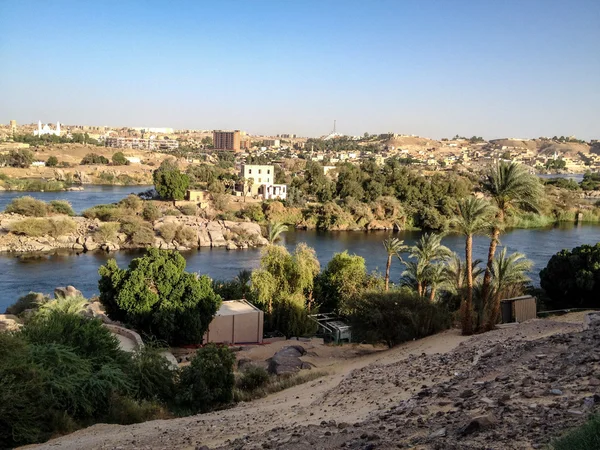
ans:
(46, 130)
(263, 178)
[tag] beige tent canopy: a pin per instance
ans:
(236, 322)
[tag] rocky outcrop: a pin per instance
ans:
(287, 361)
(9, 322)
(67, 292)
(216, 233)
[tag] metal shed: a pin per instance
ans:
(236, 322)
(518, 309)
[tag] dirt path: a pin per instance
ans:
(353, 391)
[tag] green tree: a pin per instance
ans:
(393, 246)
(118, 159)
(274, 231)
(571, 279)
(344, 278)
(508, 273)
(156, 296)
(473, 218)
(52, 161)
(427, 251)
(169, 182)
(511, 187)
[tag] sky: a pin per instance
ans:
(524, 68)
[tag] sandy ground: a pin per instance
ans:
(328, 398)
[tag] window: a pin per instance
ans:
(268, 171)
(249, 171)
(259, 171)
(260, 180)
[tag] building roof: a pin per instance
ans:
(236, 307)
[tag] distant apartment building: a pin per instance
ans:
(275, 143)
(227, 140)
(287, 136)
(142, 144)
(263, 177)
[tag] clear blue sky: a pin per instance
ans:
(522, 68)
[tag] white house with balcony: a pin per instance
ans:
(260, 180)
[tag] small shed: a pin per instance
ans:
(331, 328)
(236, 322)
(518, 309)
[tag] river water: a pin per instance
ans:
(20, 274)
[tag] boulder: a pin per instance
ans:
(287, 360)
(66, 292)
(479, 423)
(8, 322)
(215, 231)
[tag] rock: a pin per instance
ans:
(437, 434)
(287, 360)
(231, 246)
(556, 392)
(479, 423)
(66, 292)
(594, 381)
(466, 393)
(8, 322)
(90, 245)
(77, 247)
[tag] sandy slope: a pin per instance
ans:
(343, 396)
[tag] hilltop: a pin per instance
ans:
(515, 387)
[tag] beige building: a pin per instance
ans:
(236, 322)
(260, 175)
(227, 140)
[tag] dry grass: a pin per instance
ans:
(277, 384)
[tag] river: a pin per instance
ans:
(20, 274)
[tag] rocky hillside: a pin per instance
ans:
(514, 388)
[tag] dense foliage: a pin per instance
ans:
(157, 297)
(118, 159)
(17, 158)
(572, 278)
(93, 158)
(169, 182)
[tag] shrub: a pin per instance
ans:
(132, 203)
(252, 212)
(188, 210)
(172, 212)
(585, 437)
(30, 301)
(169, 182)
(151, 212)
(52, 161)
(208, 381)
(105, 213)
(252, 378)
(127, 411)
(395, 317)
(186, 235)
(62, 207)
(138, 232)
(168, 231)
(118, 159)
(220, 201)
(572, 278)
(152, 375)
(37, 227)
(156, 296)
(28, 206)
(107, 232)
(93, 158)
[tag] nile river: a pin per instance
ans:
(20, 274)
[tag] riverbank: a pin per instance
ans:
(17, 234)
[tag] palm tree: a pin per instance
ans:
(436, 278)
(392, 246)
(426, 251)
(507, 272)
(274, 230)
(243, 279)
(66, 305)
(473, 218)
(511, 187)
(456, 274)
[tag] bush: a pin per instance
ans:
(139, 233)
(127, 411)
(252, 212)
(62, 207)
(37, 227)
(188, 210)
(93, 158)
(107, 232)
(208, 381)
(172, 212)
(151, 212)
(33, 300)
(105, 213)
(168, 231)
(157, 297)
(52, 161)
(132, 203)
(187, 236)
(118, 159)
(152, 375)
(28, 206)
(169, 182)
(572, 278)
(395, 317)
(585, 437)
(252, 378)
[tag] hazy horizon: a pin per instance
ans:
(430, 68)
